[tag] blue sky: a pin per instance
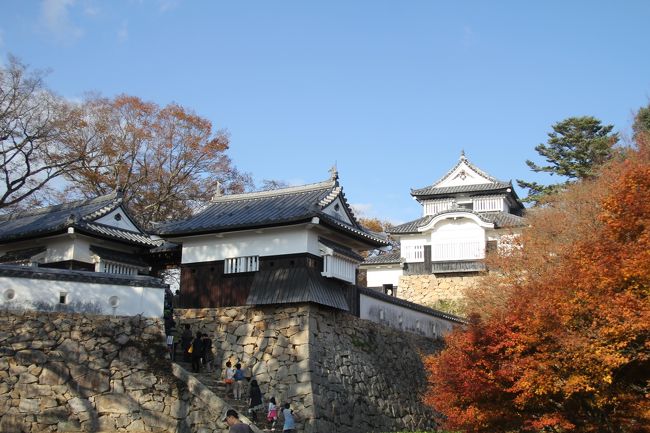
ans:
(389, 91)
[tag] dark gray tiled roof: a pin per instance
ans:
(118, 256)
(166, 247)
(21, 255)
(78, 214)
(344, 251)
(295, 285)
(383, 259)
(504, 219)
(411, 226)
(270, 208)
(410, 305)
(80, 276)
(432, 190)
(499, 219)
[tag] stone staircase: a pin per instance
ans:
(213, 381)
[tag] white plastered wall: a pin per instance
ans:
(385, 274)
(131, 299)
(450, 239)
(65, 247)
(266, 242)
(403, 318)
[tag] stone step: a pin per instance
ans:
(214, 382)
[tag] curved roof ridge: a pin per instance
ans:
(276, 192)
(115, 195)
(461, 160)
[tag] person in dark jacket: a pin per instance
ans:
(207, 353)
(186, 341)
(197, 352)
(255, 402)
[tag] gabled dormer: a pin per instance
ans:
(467, 187)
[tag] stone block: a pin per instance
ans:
(179, 409)
(29, 405)
(106, 423)
(52, 416)
(31, 356)
(115, 403)
(97, 381)
(14, 423)
(139, 380)
(136, 426)
(27, 378)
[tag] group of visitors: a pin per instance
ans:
(236, 426)
(233, 378)
(197, 349)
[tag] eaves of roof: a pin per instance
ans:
(296, 285)
(118, 256)
(394, 257)
(483, 188)
(411, 226)
(339, 249)
(118, 234)
(504, 219)
(356, 232)
(80, 276)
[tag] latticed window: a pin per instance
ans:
(413, 253)
(343, 268)
(117, 268)
(242, 264)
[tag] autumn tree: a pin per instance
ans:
(575, 150)
(568, 348)
(35, 129)
(167, 160)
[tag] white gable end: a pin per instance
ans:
(119, 219)
(463, 175)
(336, 209)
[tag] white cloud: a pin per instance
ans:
(55, 16)
(123, 32)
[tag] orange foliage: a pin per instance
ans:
(567, 349)
(167, 159)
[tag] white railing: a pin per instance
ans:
(117, 268)
(339, 267)
(457, 251)
(413, 253)
(485, 204)
(435, 206)
(242, 264)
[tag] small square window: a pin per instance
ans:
(63, 298)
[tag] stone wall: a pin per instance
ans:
(271, 343)
(446, 293)
(339, 373)
(68, 372)
(367, 377)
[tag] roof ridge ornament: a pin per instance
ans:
(217, 192)
(334, 173)
(462, 155)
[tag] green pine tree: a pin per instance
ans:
(642, 121)
(575, 149)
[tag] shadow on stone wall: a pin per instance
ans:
(68, 372)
